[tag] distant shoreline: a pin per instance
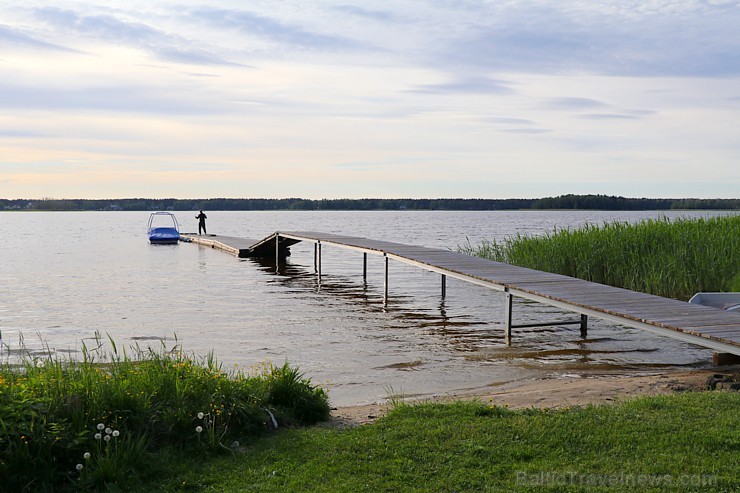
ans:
(563, 202)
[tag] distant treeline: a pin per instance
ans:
(588, 202)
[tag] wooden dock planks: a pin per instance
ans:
(628, 307)
(707, 326)
(239, 247)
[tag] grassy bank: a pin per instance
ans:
(102, 422)
(686, 442)
(674, 259)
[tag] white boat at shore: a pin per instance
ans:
(723, 301)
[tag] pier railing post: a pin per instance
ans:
(318, 270)
(584, 325)
(385, 280)
(315, 266)
(508, 305)
(444, 285)
(364, 267)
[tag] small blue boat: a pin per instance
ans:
(163, 228)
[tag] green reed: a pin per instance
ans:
(96, 422)
(668, 258)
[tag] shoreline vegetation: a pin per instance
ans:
(670, 258)
(563, 202)
(166, 421)
(111, 419)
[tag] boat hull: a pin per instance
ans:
(164, 236)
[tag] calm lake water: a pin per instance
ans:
(66, 275)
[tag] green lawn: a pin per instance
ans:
(683, 442)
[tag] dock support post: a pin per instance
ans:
(385, 280)
(364, 267)
(318, 263)
(315, 266)
(508, 305)
(725, 359)
(277, 253)
(444, 285)
(584, 325)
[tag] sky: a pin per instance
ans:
(384, 98)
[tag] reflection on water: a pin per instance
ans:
(68, 275)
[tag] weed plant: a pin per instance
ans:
(94, 423)
(674, 259)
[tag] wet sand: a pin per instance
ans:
(551, 393)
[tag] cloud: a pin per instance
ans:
(608, 116)
(569, 103)
(526, 130)
(124, 98)
(109, 28)
(369, 85)
(479, 85)
(509, 120)
(378, 15)
(467, 39)
(15, 37)
(270, 29)
(23, 134)
(658, 38)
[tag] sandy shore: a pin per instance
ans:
(553, 393)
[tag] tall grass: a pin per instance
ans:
(668, 258)
(94, 423)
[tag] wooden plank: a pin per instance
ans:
(710, 329)
(624, 304)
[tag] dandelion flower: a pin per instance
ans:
(98, 436)
(106, 438)
(200, 415)
(101, 426)
(40, 363)
(116, 433)
(79, 467)
(198, 429)
(86, 455)
(108, 431)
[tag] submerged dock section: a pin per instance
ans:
(701, 325)
(241, 247)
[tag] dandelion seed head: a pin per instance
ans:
(108, 431)
(106, 438)
(101, 426)
(98, 436)
(198, 429)
(86, 455)
(200, 415)
(116, 433)
(79, 467)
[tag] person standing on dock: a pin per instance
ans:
(201, 222)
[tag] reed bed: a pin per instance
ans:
(674, 259)
(97, 423)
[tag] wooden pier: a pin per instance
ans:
(701, 325)
(239, 247)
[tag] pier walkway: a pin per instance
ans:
(701, 325)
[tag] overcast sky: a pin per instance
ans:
(329, 99)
